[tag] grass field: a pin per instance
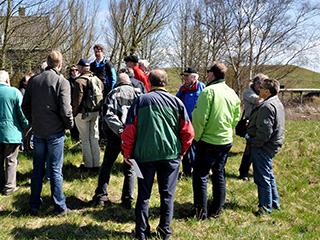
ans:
(296, 168)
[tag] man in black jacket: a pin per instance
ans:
(47, 105)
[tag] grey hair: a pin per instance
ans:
(145, 63)
(3, 76)
(196, 75)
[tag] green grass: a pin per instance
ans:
(296, 168)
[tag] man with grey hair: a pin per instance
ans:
(12, 123)
(251, 99)
(135, 82)
(188, 94)
(47, 105)
(118, 102)
(143, 65)
(86, 120)
(266, 132)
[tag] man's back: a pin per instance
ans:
(216, 114)
(157, 126)
(48, 103)
(118, 102)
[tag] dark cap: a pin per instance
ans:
(84, 62)
(188, 71)
(131, 58)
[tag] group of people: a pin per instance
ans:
(149, 125)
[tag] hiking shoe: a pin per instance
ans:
(65, 212)
(102, 203)
(34, 212)
(243, 178)
(126, 205)
(216, 214)
(261, 212)
(84, 168)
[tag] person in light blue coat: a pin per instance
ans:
(12, 123)
(188, 94)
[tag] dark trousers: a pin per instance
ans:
(167, 175)
(74, 133)
(8, 166)
(245, 162)
(112, 150)
(188, 160)
(214, 157)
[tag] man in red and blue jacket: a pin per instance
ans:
(158, 133)
(188, 94)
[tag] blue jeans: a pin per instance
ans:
(214, 157)
(50, 149)
(112, 150)
(264, 178)
(167, 175)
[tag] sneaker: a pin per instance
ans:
(12, 191)
(65, 212)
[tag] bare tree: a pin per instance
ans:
(72, 29)
(244, 34)
(134, 23)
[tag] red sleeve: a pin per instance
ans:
(139, 74)
(186, 133)
(128, 138)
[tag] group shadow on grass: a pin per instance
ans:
(113, 212)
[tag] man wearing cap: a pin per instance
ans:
(216, 114)
(188, 94)
(132, 62)
(103, 69)
(251, 100)
(86, 121)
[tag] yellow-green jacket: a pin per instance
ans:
(216, 114)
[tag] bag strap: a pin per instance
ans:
(242, 117)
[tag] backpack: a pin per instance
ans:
(94, 99)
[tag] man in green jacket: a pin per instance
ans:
(12, 123)
(216, 114)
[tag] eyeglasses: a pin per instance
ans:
(74, 70)
(263, 88)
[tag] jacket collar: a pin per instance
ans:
(192, 88)
(270, 98)
(53, 69)
(158, 88)
(216, 81)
